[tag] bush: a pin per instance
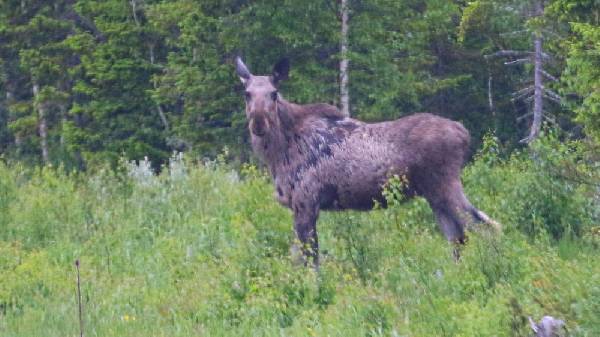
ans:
(525, 190)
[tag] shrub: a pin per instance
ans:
(525, 191)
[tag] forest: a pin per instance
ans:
(124, 146)
(87, 82)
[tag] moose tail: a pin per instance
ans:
(481, 216)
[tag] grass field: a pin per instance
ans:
(203, 250)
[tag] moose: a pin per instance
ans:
(320, 159)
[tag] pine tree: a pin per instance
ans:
(581, 78)
(36, 81)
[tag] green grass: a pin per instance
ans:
(204, 251)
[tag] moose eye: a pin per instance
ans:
(247, 95)
(274, 95)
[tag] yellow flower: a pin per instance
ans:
(128, 318)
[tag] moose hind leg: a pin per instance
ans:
(305, 226)
(452, 228)
(449, 224)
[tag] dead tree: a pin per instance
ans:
(41, 108)
(344, 93)
(536, 92)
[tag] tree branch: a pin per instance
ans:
(549, 114)
(524, 91)
(547, 57)
(517, 32)
(502, 53)
(553, 94)
(548, 76)
(555, 100)
(526, 96)
(520, 118)
(84, 23)
(519, 61)
(526, 140)
(552, 33)
(550, 118)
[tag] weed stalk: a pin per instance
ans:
(79, 299)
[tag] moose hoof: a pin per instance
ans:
(296, 255)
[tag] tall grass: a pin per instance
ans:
(202, 249)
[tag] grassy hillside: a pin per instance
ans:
(204, 250)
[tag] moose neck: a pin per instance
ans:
(274, 146)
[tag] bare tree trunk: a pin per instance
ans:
(62, 107)
(344, 93)
(134, 10)
(490, 96)
(77, 120)
(3, 112)
(161, 112)
(151, 48)
(42, 123)
(536, 92)
(538, 78)
(63, 104)
(9, 101)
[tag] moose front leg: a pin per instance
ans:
(305, 226)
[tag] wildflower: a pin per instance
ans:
(128, 318)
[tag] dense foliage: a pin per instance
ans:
(204, 250)
(85, 81)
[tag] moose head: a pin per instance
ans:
(262, 97)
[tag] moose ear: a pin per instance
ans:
(281, 70)
(242, 70)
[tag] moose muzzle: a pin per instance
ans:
(259, 125)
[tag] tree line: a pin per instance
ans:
(84, 82)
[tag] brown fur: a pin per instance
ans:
(320, 160)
